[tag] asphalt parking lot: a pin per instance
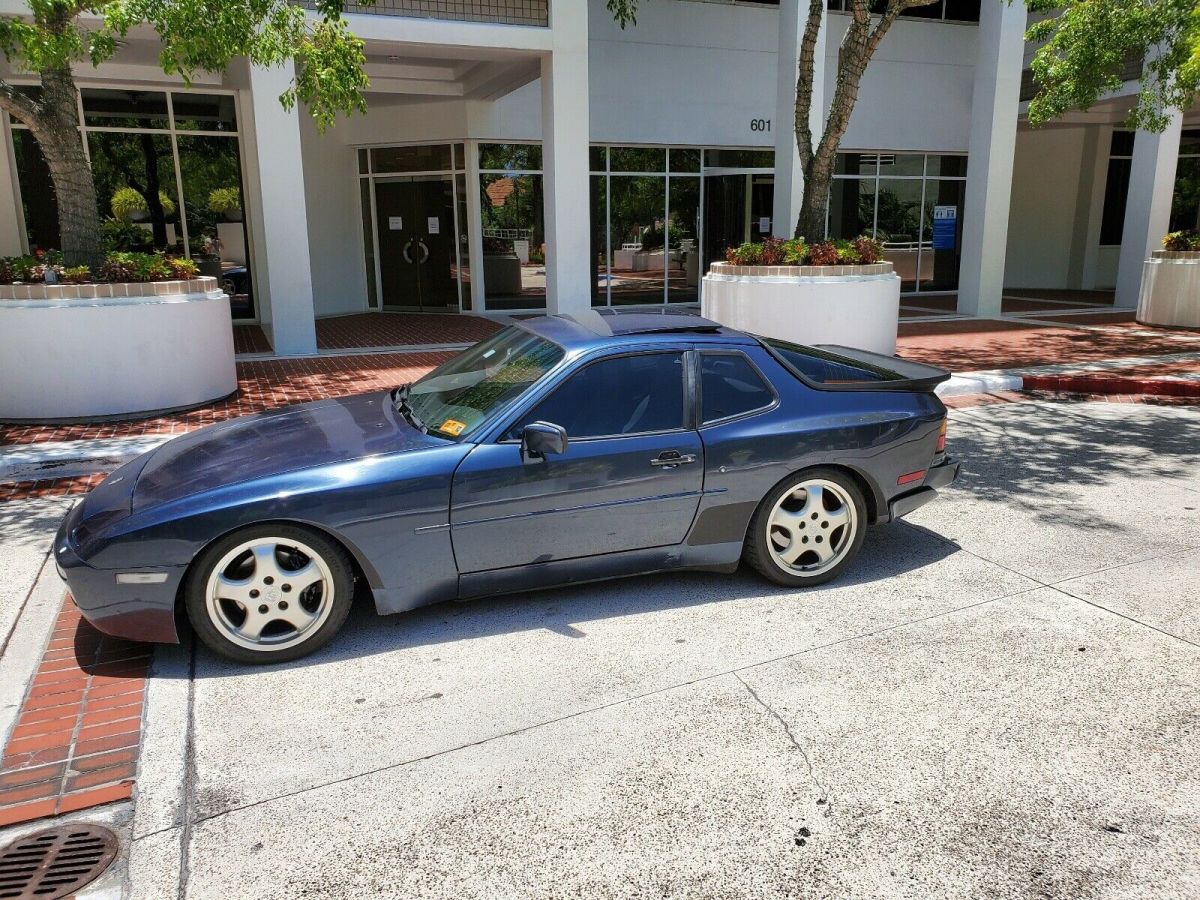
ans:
(1000, 700)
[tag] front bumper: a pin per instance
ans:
(937, 477)
(136, 611)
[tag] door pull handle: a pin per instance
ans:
(670, 459)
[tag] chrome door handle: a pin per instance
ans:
(425, 252)
(671, 459)
(407, 257)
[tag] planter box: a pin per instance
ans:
(1171, 289)
(856, 306)
(71, 352)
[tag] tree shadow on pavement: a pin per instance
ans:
(1041, 455)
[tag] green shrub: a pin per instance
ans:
(1182, 240)
(119, 234)
(76, 275)
(126, 203)
(225, 200)
(795, 252)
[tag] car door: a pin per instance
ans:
(631, 477)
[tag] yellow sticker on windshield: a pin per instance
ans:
(453, 426)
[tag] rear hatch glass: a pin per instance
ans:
(847, 368)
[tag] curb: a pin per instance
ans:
(1112, 384)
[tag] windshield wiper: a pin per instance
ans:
(402, 405)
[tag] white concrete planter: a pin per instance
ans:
(857, 306)
(1171, 289)
(93, 351)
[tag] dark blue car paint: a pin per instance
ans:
(429, 518)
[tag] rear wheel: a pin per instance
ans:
(269, 593)
(808, 529)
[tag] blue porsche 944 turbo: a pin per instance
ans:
(560, 450)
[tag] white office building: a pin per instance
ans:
(526, 155)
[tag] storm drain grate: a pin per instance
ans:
(55, 862)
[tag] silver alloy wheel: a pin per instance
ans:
(269, 594)
(812, 527)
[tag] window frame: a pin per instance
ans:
(690, 395)
(699, 382)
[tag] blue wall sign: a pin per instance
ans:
(945, 227)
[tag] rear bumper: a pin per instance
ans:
(136, 611)
(937, 477)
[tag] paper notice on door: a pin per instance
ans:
(434, 225)
(395, 223)
(764, 224)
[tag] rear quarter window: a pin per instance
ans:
(822, 367)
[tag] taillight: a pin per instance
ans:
(941, 444)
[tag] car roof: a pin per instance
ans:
(609, 327)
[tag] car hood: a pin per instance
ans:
(298, 437)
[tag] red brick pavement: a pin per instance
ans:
(76, 741)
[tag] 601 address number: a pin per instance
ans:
(760, 124)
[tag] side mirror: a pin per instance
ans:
(540, 438)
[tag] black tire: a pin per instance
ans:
(758, 551)
(215, 625)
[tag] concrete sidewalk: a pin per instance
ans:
(1001, 700)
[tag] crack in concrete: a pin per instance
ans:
(825, 798)
(189, 780)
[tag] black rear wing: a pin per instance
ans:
(832, 367)
(906, 375)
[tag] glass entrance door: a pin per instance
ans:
(415, 234)
(737, 209)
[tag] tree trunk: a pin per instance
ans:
(855, 52)
(57, 133)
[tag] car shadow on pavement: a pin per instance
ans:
(887, 552)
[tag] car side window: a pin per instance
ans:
(730, 386)
(624, 395)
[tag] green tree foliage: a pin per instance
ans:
(1085, 46)
(196, 36)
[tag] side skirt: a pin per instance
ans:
(707, 558)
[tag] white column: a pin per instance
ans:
(789, 178)
(475, 227)
(283, 261)
(990, 149)
(1148, 209)
(12, 217)
(565, 134)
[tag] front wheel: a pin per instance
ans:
(269, 593)
(808, 529)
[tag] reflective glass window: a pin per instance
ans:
(124, 109)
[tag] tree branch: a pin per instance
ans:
(804, 81)
(18, 105)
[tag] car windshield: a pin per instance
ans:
(458, 395)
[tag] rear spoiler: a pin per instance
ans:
(913, 376)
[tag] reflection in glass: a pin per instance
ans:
(901, 164)
(599, 230)
(135, 183)
(947, 166)
(683, 232)
(510, 157)
(637, 233)
(41, 209)
(464, 244)
(684, 159)
(941, 245)
(426, 158)
(851, 207)
(514, 238)
(124, 109)
(204, 112)
(364, 185)
(898, 228)
(598, 159)
(740, 159)
(1185, 205)
(210, 171)
(637, 159)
